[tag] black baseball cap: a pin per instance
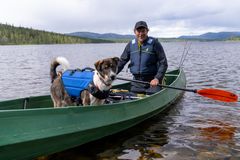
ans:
(141, 24)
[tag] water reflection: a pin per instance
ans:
(216, 130)
(148, 144)
(218, 138)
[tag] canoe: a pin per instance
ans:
(31, 127)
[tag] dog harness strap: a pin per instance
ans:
(94, 90)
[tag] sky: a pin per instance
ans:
(165, 18)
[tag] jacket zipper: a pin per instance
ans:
(140, 57)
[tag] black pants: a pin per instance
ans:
(144, 88)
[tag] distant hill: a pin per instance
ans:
(10, 34)
(213, 36)
(107, 36)
(19, 35)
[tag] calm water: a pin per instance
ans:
(195, 127)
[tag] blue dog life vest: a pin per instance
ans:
(75, 81)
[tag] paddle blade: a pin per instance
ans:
(218, 94)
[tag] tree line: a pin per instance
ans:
(11, 35)
(235, 38)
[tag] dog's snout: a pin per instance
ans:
(113, 77)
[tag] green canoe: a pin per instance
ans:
(31, 127)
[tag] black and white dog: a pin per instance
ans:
(103, 76)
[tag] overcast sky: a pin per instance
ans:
(166, 18)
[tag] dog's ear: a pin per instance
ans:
(98, 65)
(116, 59)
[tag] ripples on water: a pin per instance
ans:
(195, 127)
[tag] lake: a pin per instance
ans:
(195, 127)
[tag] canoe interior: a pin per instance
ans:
(46, 102)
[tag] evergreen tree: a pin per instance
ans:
(20, 35)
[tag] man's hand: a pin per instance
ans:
(154, 82)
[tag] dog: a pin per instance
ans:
(103, 76)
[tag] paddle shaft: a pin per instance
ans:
(161, 85)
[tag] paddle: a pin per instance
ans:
(212, 93)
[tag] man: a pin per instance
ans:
(147, 60)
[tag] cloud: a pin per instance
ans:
(165, 18)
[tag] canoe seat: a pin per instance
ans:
(171, 75)
(117, 95)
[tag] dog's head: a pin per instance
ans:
(107, 68)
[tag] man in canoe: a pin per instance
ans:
(148, 61)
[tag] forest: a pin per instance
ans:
(11, 35)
